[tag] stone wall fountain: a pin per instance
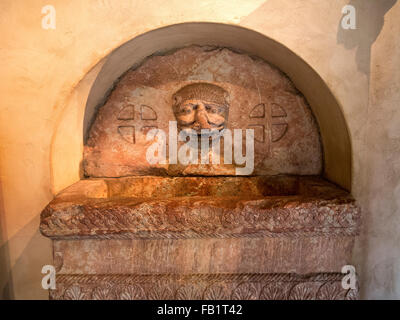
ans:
(132, 229)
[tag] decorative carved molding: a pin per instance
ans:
(201, 218)
(323, 286)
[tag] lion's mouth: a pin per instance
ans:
(197, 126)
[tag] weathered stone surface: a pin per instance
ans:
(300, 255)
(325, 286)
(194, 207)
(260, 98)
(136, 230)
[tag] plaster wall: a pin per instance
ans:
(46, 76)
(378, 184)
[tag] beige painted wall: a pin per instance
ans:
(378, 252)
(45, 81)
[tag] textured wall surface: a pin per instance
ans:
(45, 79)
(379, 184)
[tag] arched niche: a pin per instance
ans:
(96, 86)
(293, 225)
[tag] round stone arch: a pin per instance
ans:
(68, 140)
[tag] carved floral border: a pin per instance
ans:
(202, 287)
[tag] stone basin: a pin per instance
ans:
(150, 207)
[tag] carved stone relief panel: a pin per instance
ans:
(203, 88)
(322, 286)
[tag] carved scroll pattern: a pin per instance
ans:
(321, 217)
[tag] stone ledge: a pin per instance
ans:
(199, 207)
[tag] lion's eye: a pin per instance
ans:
(212, 109)
(186, 110)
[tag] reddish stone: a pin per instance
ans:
(260, 98)
(196, 232)
(187, 207)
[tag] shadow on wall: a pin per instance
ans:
(22, 279)
(370, 17)
(6, 291)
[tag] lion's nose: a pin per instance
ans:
(201, 117)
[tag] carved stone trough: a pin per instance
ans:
(138, 230)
